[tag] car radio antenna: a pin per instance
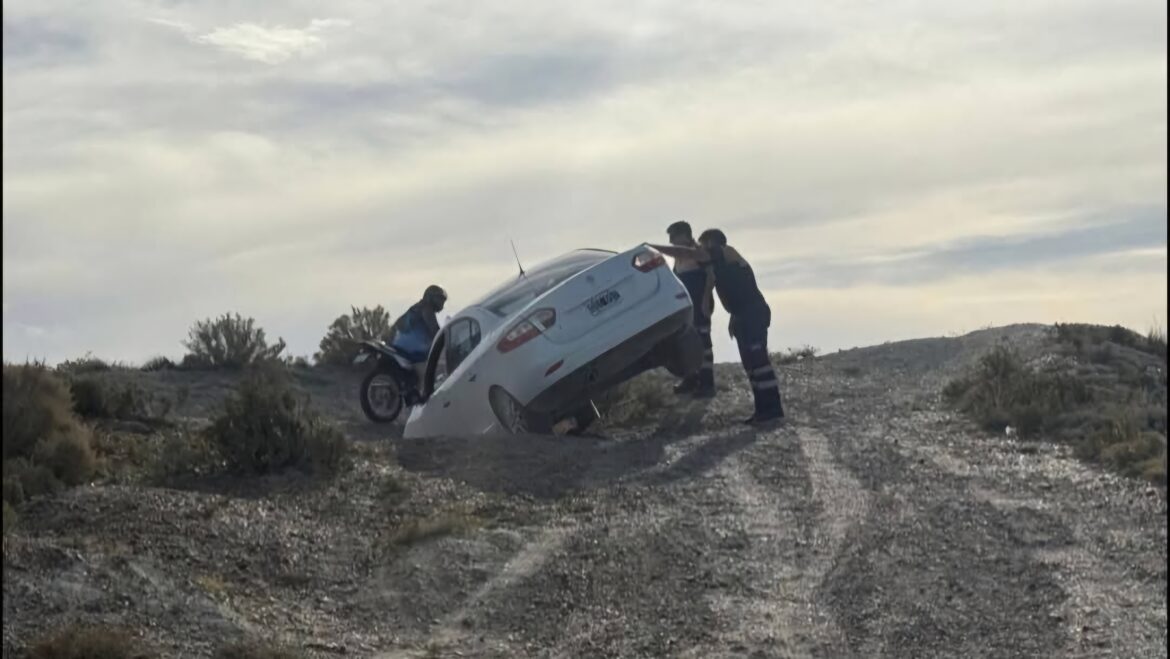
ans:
(517, 255)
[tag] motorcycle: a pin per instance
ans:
(391, 384)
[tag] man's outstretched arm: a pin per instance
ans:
(680, 252)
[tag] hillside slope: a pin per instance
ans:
(876, 523)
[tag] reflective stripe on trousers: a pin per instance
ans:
(752, 339)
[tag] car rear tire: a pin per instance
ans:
(682, 354)
(381, 397)
(514, 417)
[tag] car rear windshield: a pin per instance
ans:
(518, 293)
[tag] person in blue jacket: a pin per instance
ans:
(414, 331)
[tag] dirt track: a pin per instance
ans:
(874, 524)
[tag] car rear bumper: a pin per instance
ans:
(620, 363)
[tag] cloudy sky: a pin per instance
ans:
(892, 170)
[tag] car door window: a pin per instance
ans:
(463, 337)
(436, 366)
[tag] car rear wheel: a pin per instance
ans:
(681, 354)
(514, 417)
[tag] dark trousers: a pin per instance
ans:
(751, 335)
(706, 374)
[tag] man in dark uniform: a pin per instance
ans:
(700, 283)
(750, 316)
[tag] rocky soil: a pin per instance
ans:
(875, 523)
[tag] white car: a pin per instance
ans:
(536, 350)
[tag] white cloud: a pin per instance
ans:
(149, 182)
(267, 44)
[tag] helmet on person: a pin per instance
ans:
(435, 296)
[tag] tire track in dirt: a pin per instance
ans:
(451, 632)
(794, 524)
(1109, 609)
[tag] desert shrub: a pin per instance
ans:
(98, 398)
(635, 402)
(182, 453)
(86, 364)
(1128, 445)
(86, 643)
(1092, 339)
(339, 347)
(1004, 391)
(297, 362)
(256, 650)
(229, 341)
(1156, 342)
(265, 426)
(1107, 409)
(793, 355)
(45, 445)
(419, 530)
(159, 363)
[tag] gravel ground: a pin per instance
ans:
(874, 524)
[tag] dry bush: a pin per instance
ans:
(1156, 342)
(86, 364)
(1003, 391)
(45, 445)
(182, 453)
(266, 426)
(635, 402)
(793, 355)
(339, 347)
(87, 643)
(1085, 338)
(415, 531)
(159, 363)
(229, 341)
(95, 397)
(1109, 409)
(1129, 445)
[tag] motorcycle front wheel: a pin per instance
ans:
(381, 397)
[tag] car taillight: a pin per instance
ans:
(648, 259)
(527, 329)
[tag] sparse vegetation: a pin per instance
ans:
(159, 363)
(794, 355)
(229, 341)
(45, 446)
(339, 346)
(86, 364)
(1083, 338)
(184, 453)
(1003, 392)
(415, 531)
(95, 397)
(265, 427)
(638, 401)
(1103, 391)
(87, 643)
